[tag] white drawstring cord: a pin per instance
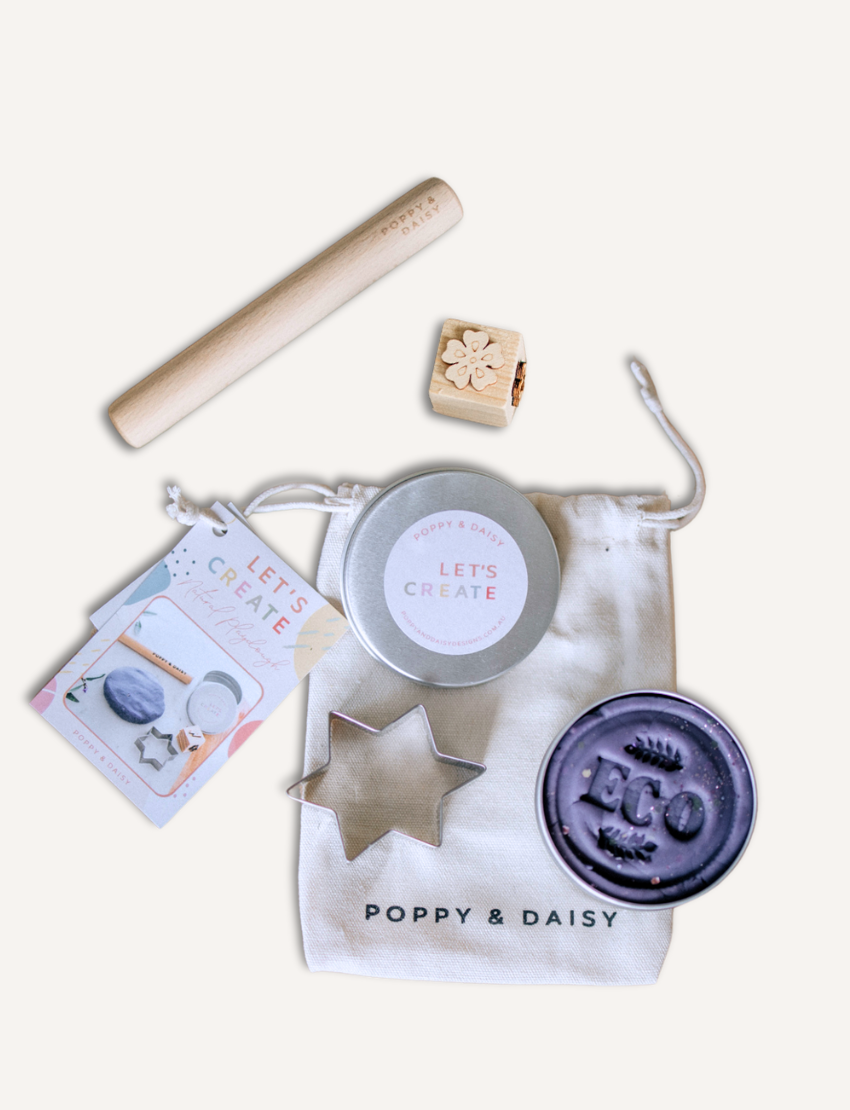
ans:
(675, 518)
(331, 503)
(187, 512)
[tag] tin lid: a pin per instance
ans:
(226, 680)
(646, 799)
(450, 577)
(212, 707)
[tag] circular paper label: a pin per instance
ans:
(212, 707)
(455, 582)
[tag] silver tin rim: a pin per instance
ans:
(385, 640)
(224, 679)
(562, 863)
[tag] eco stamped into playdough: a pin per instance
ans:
(647, 799)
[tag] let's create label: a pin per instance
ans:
(456, 582)
(222, 613)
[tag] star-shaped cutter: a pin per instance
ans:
(306, 789)
(156, 748)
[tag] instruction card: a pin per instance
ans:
(187, 661)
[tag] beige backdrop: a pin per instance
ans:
(667, 180)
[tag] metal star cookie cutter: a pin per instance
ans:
(385, 780)
(156, 748)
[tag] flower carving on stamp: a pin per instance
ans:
(475, 360)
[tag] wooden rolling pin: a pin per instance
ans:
(285, 311)
(151, 656)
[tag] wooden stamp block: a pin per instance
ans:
(479, 373)
(190, 739)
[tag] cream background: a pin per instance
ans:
(663, 179)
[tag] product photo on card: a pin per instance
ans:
(246, 629)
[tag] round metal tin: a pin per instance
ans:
(475, 547)
(212, 706)
(646, 799)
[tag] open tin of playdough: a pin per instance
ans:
(450, 577)
(646, 799)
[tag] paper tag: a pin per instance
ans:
(100, 616)
(213, 637)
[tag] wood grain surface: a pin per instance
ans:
(285, 311)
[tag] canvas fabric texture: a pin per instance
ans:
(511, 914)
(612, 631)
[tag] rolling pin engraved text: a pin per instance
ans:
(417, 216)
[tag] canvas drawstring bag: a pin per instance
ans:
(489, 904)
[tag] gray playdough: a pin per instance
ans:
(134, 696)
